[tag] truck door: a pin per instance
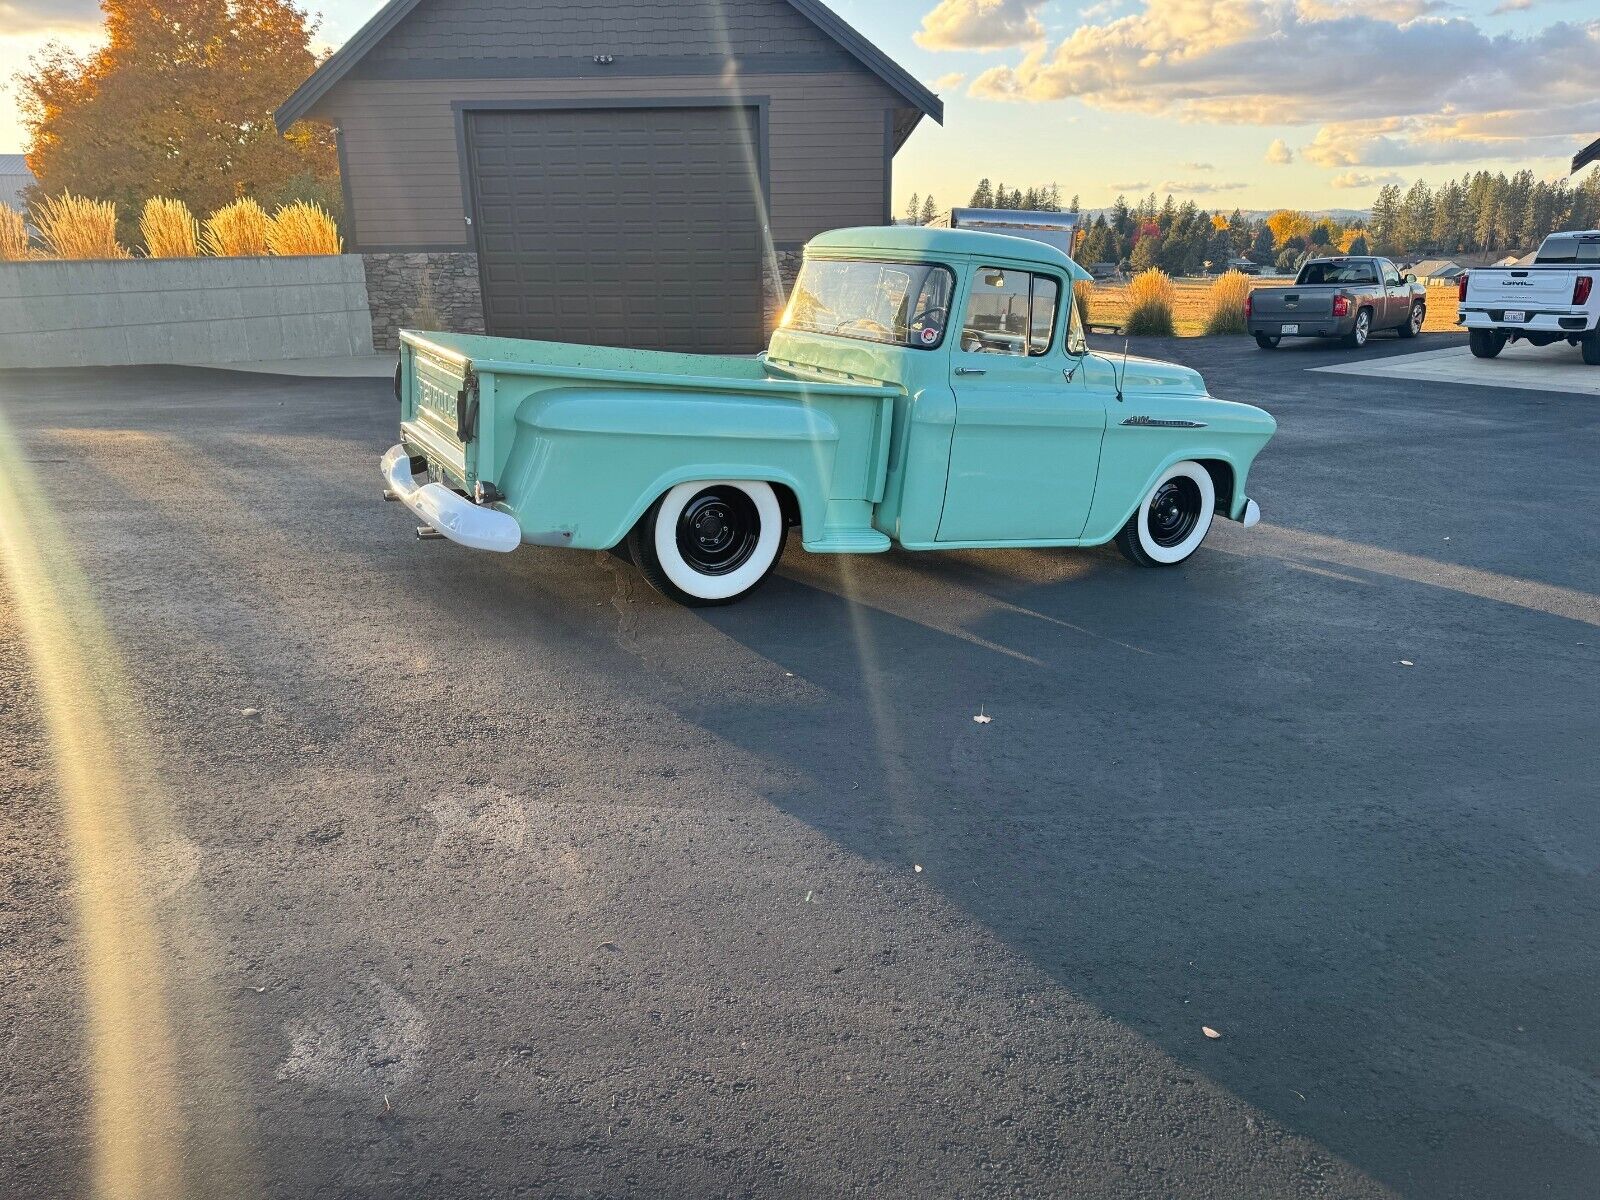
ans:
(1396, 297)
(1026, 445)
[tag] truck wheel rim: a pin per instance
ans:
(718, 531)
(1361, 328)
(1416, 320)
(1174, 511)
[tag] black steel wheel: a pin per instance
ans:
(718, 530)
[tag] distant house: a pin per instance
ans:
(1438, 271)
(1244, 266)
(1103, 270)
(15, 179)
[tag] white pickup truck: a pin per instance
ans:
(1554, 300)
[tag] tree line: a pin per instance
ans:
(1482, 212)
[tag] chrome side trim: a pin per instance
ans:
(1160, 423)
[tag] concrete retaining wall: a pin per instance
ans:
(182, 310)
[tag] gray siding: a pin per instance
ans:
(826, 145)
(560, 29)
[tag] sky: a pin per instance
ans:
(1231, 103)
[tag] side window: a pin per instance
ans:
(1009, 312)
(1390, 275)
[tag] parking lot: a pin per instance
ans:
(383, 867)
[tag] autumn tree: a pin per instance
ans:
(179, 103)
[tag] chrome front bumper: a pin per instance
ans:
(437, 507)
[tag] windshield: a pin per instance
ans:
(1359, 271)
(900, 304)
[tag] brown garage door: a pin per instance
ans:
(620, 227)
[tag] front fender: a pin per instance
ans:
(1134, 456)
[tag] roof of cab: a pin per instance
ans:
(940, 243)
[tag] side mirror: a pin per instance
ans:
(1409, 277)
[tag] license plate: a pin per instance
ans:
(1291, 329)
(1516, 314)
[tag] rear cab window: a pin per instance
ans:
(1347, 271)
(1010, 312)
(893, 303)
(1567, 249)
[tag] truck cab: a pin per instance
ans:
(930, 388)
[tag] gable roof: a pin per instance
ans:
(340, 62)
(1589, 154)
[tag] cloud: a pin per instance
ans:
(1198, 187)
(1137, 186)
(980, 25)
(1279, 154)
(1197, 166)
(949, 82)
(1358, 179)
(1292, 62)
(49, 16)
(1506, 6)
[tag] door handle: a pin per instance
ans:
(971, 371)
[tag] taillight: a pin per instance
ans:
(1249, 305)
(1341, 306)
(1581, 287)
(1461, 287)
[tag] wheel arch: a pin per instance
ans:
(785, 486)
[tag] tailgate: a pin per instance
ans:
(439, 407)
(1530, 288)
(1292, 302)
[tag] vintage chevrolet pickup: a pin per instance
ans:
(930, 387)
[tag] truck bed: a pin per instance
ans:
(520, 423)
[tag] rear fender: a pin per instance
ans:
(603, 457)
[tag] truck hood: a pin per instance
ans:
(1143, 374)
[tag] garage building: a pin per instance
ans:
(617, 172)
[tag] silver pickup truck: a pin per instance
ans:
(1345, 298)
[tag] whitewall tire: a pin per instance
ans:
(710, 541)
(1172, 519)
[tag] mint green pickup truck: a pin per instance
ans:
(930, 387)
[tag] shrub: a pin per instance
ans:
(169, 229)
(78, 228)
(13, 235)
(237, 230)
(303, 228)
(1151, 297)
(1226, 302)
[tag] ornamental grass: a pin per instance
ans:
(237, 230)
(1226, 303)
(303, 228)
(1151, 297)
(74, 227)
(169, 229)
(13, 236)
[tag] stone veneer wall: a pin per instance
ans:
(440, 290)
(436, 290)
(776, 289)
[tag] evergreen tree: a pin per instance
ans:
(1358, 245)
(982, 195)
(930, 210)
(913, 209)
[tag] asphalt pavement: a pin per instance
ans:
(340, 864)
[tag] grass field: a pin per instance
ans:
(1109, 305)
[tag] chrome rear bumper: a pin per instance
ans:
(454, 516)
